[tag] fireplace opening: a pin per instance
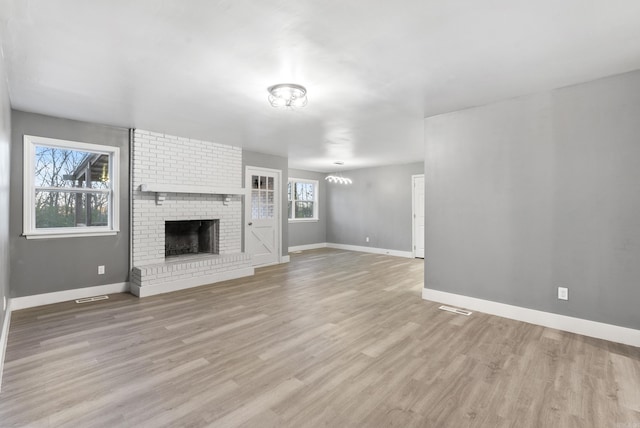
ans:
(190, 237)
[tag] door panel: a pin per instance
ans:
(418, 215)
(262, 216)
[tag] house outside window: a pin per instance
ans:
(303, 199)
(70, 188)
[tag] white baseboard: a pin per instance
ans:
(25, 302)
(397, 253)
(614, 333)
(4, 338)
(307, 247)
(167, 287)
(285, 259)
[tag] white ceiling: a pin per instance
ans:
(373, 69)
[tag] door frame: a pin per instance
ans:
(277, 205)
(414, 177)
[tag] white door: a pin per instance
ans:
(262, 215)
(418, 215)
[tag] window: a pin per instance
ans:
(303, 199)
(263, 194)
(70, 188)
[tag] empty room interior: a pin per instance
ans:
(303, 213)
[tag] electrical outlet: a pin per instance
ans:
(563, 293)
(101, 270)
(4, 303)
(366, 239)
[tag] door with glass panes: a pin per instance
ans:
(262, 215)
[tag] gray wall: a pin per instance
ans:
(310, 232)
(47, 265)
(377, 204)
(538, 192)
(5, 175)
(274, 162)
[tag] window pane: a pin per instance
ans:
(56, 167)
(59, 209)
(99, 204)
(270, 183)
(289, 191)
(304, 191)
(304, 209)
(289, 209)
(254, 181)
(99, 177)
(71, 209)
(255, 204)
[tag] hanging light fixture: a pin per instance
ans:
(287, 95)
(338, 178)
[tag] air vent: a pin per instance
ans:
(91, 299)
(455, 310)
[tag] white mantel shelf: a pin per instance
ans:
(181, 188)
(161, 190)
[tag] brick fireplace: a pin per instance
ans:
(190, 185)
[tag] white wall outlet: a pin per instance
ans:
(101, 270)
(366, 239)
(563, 293)
(4, 303)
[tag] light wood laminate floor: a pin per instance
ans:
(333, 338)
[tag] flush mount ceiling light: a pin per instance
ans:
(287, 95)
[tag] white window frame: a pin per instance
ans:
(29, 215)
(316, 191)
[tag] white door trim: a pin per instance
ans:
(278, 206)
(414, 177)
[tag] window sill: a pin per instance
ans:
(50, 235)
(304, 220)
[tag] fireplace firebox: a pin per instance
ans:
(190, 237)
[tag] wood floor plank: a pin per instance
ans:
(333, 338)
(258, 405)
